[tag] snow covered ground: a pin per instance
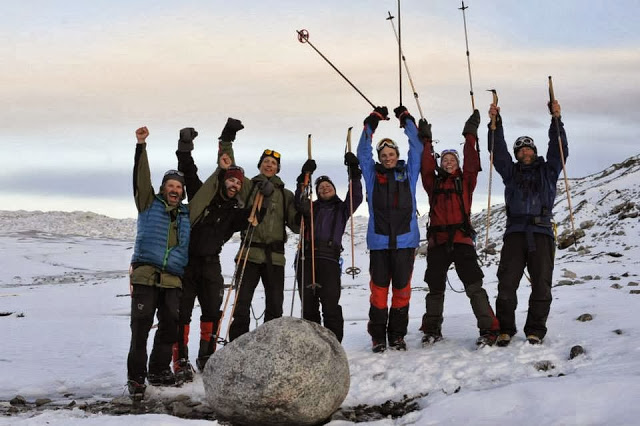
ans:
(65, 324)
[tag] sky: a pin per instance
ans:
(80, 77)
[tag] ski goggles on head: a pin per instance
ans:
(323, 178)
(173, 172)
(523, 141)
(449, 151)
(271, 153)
(234, 167)
(386, 142)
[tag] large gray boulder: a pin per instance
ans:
(288, 371)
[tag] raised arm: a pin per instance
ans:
(143, 192)
(502, 159)
(554, 159)
(185, 161)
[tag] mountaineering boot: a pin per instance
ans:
(503, 340)
(486, 339)
(162, 378)
(182, 368)
(379, 346)
(534, 340)
(207, 343)
(398, 344)
(430, 338)
(136, 389)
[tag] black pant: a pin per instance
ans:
(514, 257)
(145, 300)
(273, 281)
(327, 293)
(463, 256)
(395, 267)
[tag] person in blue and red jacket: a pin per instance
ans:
(392, 234)
(529, 239)
(450, 234)
(330, 216)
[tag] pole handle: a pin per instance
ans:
(309, 146)
(552, 97)
(349, 139)
(495, 102)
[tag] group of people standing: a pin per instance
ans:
(177, 252)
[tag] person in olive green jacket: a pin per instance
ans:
(157, 265)
(266, 259)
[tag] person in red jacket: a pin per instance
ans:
(449, 233)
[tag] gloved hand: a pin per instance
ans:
(265, 187)
(472, 124)
(187, 135)
(379, 113)
(352, 163)
(230, 129)
(403, 115)
(494, 112)
(424, 129)
(309, 166)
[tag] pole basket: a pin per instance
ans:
(352, 270)
(303, 36)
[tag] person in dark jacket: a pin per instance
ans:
(216, 214)
(529, 238)
(157, 266)
(266, 260)
(330, 216)
(450, 234)
(392, 234)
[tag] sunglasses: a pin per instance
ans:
(272, 153)
(386, 142)
(523, 141)
(174, 172)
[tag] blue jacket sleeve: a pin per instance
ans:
(554, 159)
(502, 159)
(414, 157)
(365, 156)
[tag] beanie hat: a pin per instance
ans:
(270, 153)
(324, 178)
(234, 172)
(523, 141)
(173, 175)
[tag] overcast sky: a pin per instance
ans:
(79, 77)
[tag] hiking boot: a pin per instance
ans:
(164, 378)
(398, 344)
(136, 389)
(486, 339)
(183, 370)
(379, 347)
(430, 338)
(534, 340)
(503, 340)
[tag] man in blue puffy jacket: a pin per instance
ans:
(157, 265)
(529, 239)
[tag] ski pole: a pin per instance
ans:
(406, 66)
(564, 169)
(493, 132)
(352, 270)
(299, 259)
(257, 201)
(313, 251)
(466, 40)
(248, 235)
(399, 52)
(303, 37)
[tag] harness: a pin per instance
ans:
(465, 225)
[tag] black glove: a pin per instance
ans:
(187, 135)
(309, 166)
(403, 115)
(265, 187)
(230, 129)
(350, 159)
(424, 129)
(379, 113)
(471, 126)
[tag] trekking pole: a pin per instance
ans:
(248, 236)
(493, 137)
(552, 98)
(313, 245)
(303, 37)
(352, 270)
(406, 66)
(399, 52)
(257, 204)
(299, 258)
(466, 40)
